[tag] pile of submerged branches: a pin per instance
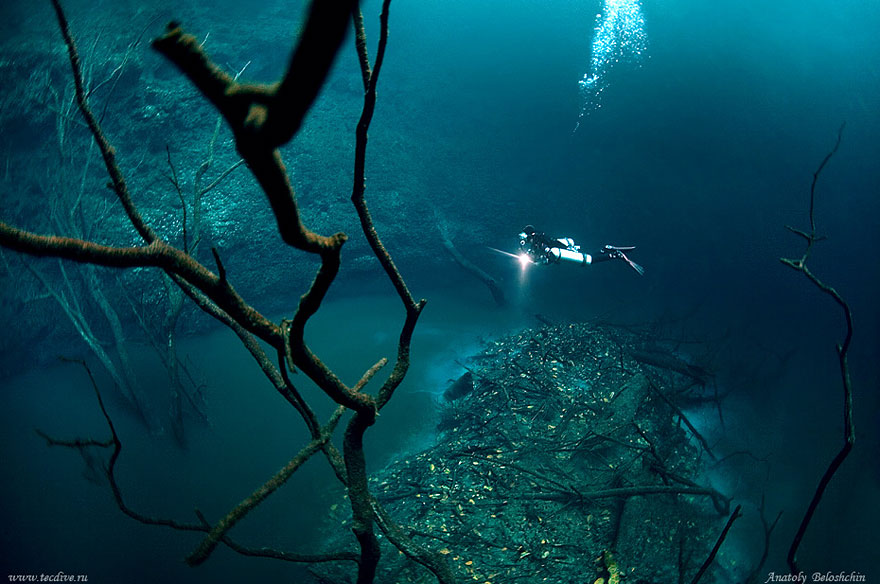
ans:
(561, 456)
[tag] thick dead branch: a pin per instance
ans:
(156, 254)
(262, 118)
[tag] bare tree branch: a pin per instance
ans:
(120, 186)
(156, 254)
(218, 533)
(207, 546)
(849, 431)
(262, 118)
(737, 513)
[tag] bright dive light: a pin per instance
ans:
(524, 260)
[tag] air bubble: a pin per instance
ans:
(619, 38)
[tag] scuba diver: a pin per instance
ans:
(537, 248)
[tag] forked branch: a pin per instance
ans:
(216, 534)
(849, 432)
(262, 118)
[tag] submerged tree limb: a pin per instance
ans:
(757, 575)
(685, 419)
(75, 443)
(272, 113)
(108, 153)
(494, 288)
(438, 564)
(672, 363)
(359, 187)
(207, 546)
(268, 169)
(737, 513)
(849, 431)
(158, 254)
(721, 503)
(214, 534)
(363, 511)
(262, 118)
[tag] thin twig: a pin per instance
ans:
(120, 186)
(207, 546)
(203, 525)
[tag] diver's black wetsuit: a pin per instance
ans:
(539, 248)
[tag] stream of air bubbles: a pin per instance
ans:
(619, 38)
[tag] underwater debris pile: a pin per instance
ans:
(556, 460)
